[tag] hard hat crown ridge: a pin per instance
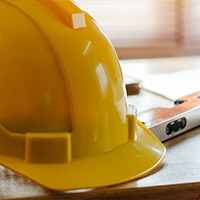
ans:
(64, 111)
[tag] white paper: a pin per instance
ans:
(170, 85)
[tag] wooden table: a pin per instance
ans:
(177, 177)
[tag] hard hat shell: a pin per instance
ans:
(64, 119)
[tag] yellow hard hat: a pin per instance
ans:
(64, 119)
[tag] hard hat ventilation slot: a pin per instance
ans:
(70, 12)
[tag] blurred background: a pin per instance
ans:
(149, 28)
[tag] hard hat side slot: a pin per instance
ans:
(48, 147)
(132, 121)
(132, 126)
(11, 144)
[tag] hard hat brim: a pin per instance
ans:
(129, 161)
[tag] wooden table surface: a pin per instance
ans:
(177, 177)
